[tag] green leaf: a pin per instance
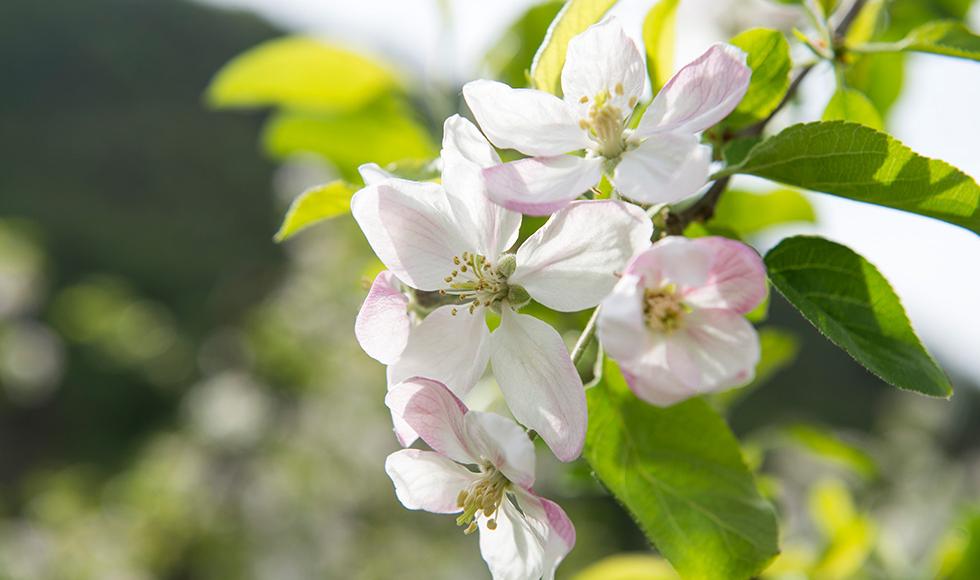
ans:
(659, 39)
(948, 38)
(383, 133)
(736, 150)
(851, 105)
(852, 304)
(859, 163)
(880, 77)
(768, 57)
(315, 205)
(509, 59)
(866, 24)
(680, 473)
(575, 17)
(749, 213)
(825, 444)
(629, 567)
(302, 73)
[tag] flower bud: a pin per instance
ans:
(507, 265)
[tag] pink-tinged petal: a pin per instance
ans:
(451, 349)
(672, 260)
(561, 537)
(541, 185)
(382, 324)
(650, 380)
(410, 227)
(403, 431)
(372, 174)
(503, 443)
(621, 326)
(736, 278)
(533, 122)
(573, 261)
(603, 59)
(719, 345)
(516, 548)
(701, 94)
(435, 414)
(425, 480)
(664, 169)
(539, 382)
(465, 152)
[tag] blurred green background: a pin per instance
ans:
(181, 398)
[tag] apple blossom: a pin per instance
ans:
(452, 240)
(482, 468)
(675, 320)
(662, 161)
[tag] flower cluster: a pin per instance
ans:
(671, 312)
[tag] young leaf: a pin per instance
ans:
(575, 17)
(680, 473)
(768, 57)
(866, 24)
(948, 37)
(859, 163)
(299, 72)
(851, 105)
(509, 59)
(658, 37)
(748, 213)
(853, 305)
(315, 205)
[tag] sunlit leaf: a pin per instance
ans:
(749, 213)
(857, 162)
(851, 535)
(315, 205)
(768, 57)
(509, 59)
(866, 24)
(302, 73)
(659, 39)
(852, 304)
(851, 105)
(825, 444)
(880, 77)
(948, 38)
(680, 473)
(629, 567)
(575, 17)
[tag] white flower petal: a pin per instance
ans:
(435, 414)
(515, 549)
(621, 326)
(410, 227)
(372, 174)
(561, 533)
(382, 325)
(720, 345)
(572, 262)
(672, 260)
(663, 169)
(650, 379)
(465, 152)
(504, 444)
(539, 382)
(603, 59)
(541, 185)
(701, 94)
(425, 480)
(453, 350)
(736, 279)
(533, 122)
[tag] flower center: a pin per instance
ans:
(663, 309)
(485, 495)
(606, 122)
(476, 283)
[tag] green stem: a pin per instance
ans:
(583, 340)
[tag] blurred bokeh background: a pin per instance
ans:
(181, 398)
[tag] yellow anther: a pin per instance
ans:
(583, 124)
(619, 88)
(584, 100)
(491, 524)
(632, 101)
(663, 309)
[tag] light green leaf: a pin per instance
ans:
(315, 205)
(880, 77)
(768, 57)
(658, 37)
(857, 162)
(851, 105)
(509, 59)
(749, 213)
(852, 304)
(680, 473)
(575, 17)
(302, 73)
(825, 444)
(629, 567)
(382, 134)
(866, 24)
(949, 38)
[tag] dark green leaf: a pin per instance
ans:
(852, 304)
(859, 163)
(768, 57)
(658, 37)
(949, 38)
(574, 18)
(680, 473)
(315, 205)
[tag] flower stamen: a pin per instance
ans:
(663, 309)
(484, 496)
(476, 282)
